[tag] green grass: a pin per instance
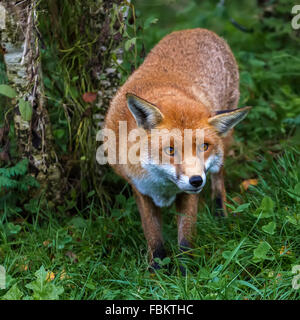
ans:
(104, 256)
(96, 254)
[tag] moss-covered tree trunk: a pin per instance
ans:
(87, 32)
(20, 43)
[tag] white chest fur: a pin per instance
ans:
(159, 188)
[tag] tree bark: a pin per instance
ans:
(19, 39)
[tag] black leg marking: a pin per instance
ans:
(219, 207)
(160, 253)
(182, 270)
(183, 247)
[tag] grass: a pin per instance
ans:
(88, 253)
(97, 256)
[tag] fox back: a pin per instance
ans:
(197, 62)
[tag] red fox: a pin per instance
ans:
(189, 80)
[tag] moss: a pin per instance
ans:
(81, 57)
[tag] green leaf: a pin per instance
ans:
(232, 255)
(121, 199)
(149, 21)
(295, 219)
(242, 207)
(269, 228)
(79, 223)
(14, 293)
(91, 193)
(227, 254)
(42, 289)
(163, 262)
(129, 43)
(91, 285)
(7, 91)
(266, 208)
(260, 253)
(60, 244)
(250, 285)
(294, 193)
(25, 109)
(166, 261)
(11, 229)
(58, 133)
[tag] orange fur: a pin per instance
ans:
(188, 77)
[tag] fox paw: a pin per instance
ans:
(219, 212)
(183, 247)
(160, 253)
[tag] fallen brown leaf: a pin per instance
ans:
(246, 183)
(237, 199)
(46, 243)
(89, 97)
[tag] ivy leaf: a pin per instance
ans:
(7, 91)
(260, 253)
(269, 228)
(25, 109)
(42, 289)
(14, 293)
(266, 208)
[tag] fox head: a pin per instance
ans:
(183, 141)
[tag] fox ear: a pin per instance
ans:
(225, 120)
(146, 115)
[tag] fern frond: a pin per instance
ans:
(5, 182)
(17, 170)
(27, 181)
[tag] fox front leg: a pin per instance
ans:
(187, 208)
(152, 225)
(219, 193)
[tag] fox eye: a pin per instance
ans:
(203, 147)
(169, 151)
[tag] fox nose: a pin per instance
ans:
(196, 181)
